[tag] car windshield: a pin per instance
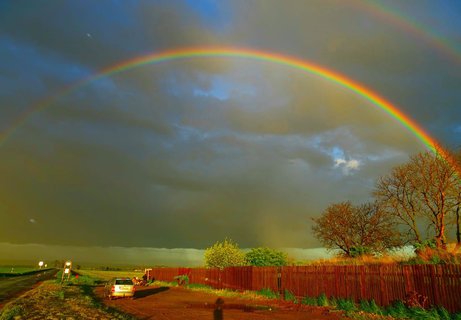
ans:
(123, 281)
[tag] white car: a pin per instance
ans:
(119, 288)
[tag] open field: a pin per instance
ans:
(14, 269)
(107, 275)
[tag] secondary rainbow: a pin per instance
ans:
(412, 27)
(206, 52)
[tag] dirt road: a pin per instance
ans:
(174, 303)
(11, 287)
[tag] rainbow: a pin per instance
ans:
(410, 26)
(205, 52)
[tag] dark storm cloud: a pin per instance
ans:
(408, 68)
(185, 153)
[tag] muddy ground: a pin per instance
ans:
(161, 303)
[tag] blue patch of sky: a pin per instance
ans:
(116, 24)
(337, 153)
(32, 71)
(223, 87)
(214, 13)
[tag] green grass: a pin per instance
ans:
(267, 293)
(107, 275)
(11, 313)
(345, 304)
(322, 300)
(310, 301)
(370, 306)
(16, 269)
(397, 310)
(289, 296)
(198, 286)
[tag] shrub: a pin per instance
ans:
(370, 307)
(224, 254)
(268, 293)
(345, 304)
(289, 296)
(322, 300)
(264, 257)
(443, 313)
(310, 301)
(358, 251)
(397, 310)
(182, 279)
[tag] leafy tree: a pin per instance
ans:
(224, 254)
(426, 191)
(264, 257)
(356, 230)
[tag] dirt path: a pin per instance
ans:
(174, 303)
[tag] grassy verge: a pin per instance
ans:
(253, 295)
(74, 299)
(365, 308)
(16, 269)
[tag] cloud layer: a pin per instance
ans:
(185, 153)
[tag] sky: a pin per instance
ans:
(187, 152)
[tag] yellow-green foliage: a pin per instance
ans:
(265, 257)
(224, 254)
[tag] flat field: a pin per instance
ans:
(107, 275)
(16, 269)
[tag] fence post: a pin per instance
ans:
(381, 284)
(362, 282)
(434, 285)
(279, 280)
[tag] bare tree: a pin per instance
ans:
(355, 229)
(396, 195)
(457, 199)
(425, 190)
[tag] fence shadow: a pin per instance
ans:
(148, 292)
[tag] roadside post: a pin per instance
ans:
(66, 272)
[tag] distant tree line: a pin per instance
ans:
(417, 203)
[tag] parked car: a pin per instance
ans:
(119, 287)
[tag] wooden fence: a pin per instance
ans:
(441, 284)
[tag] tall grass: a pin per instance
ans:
(397, 310)
(11, 312)
(268, 293)
(289, 296)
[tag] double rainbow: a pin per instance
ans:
(205, 52)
